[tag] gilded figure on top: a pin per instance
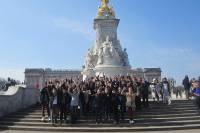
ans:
(104, 10)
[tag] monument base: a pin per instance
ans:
(108, 71)
(88, 73)
(112, 71)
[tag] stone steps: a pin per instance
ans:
(100, 129)
(92, 124)
(141, 113)
(137, 119)
(153, 109)
(189, 113)
(138, 116)
(177, 116)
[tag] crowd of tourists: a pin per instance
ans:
(104, 99)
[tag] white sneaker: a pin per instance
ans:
(49, 118)
(169, 101)
(132, 122)
(42, 119)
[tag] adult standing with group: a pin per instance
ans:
(187, 85)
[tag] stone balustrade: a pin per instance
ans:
(16, 98)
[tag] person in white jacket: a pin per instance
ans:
(156, 90)
(166, 91)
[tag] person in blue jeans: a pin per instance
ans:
(54, 106)
(196, 93)
(74, 92)
(44, 99)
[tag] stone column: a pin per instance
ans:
(104, 28)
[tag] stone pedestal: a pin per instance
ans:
(112, 71)
(88, 73)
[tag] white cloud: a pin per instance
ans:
(75, 26)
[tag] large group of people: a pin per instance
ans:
(105, 99)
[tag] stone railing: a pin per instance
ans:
(16, 98)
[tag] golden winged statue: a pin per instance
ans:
(104, 2)
(105, 10)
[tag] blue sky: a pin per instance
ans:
(57, 33)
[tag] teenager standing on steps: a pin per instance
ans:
(130, 103)
(44, 99)
(115, 104)
(60, 102)
(166, 91)
(122, 103)
(153, 91)
(138, 86)
(99, 105)
(145, 93)
(65, 102)
(74, 93)
(107, 108)
(158, 91)
(54, 105)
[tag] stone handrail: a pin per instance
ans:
(16, 98)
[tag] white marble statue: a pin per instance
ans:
(108, 54)
(107, 48)
(126, 61)
(104, 52)
(89, 60)
(116, 54)
(100, 56)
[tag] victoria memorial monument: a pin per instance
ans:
(105, 57)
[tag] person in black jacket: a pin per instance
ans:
(107, 101)
(145, 93)
(122, 103)
(44, 99)
(138, 102)
(60, 101)
(187, 85)
(115, 104)
(64, 103)
(99, 104)
(54, 105)
(92, 85)
(82, 100)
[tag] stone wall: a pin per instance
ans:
(16, 98)
(36, 78)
